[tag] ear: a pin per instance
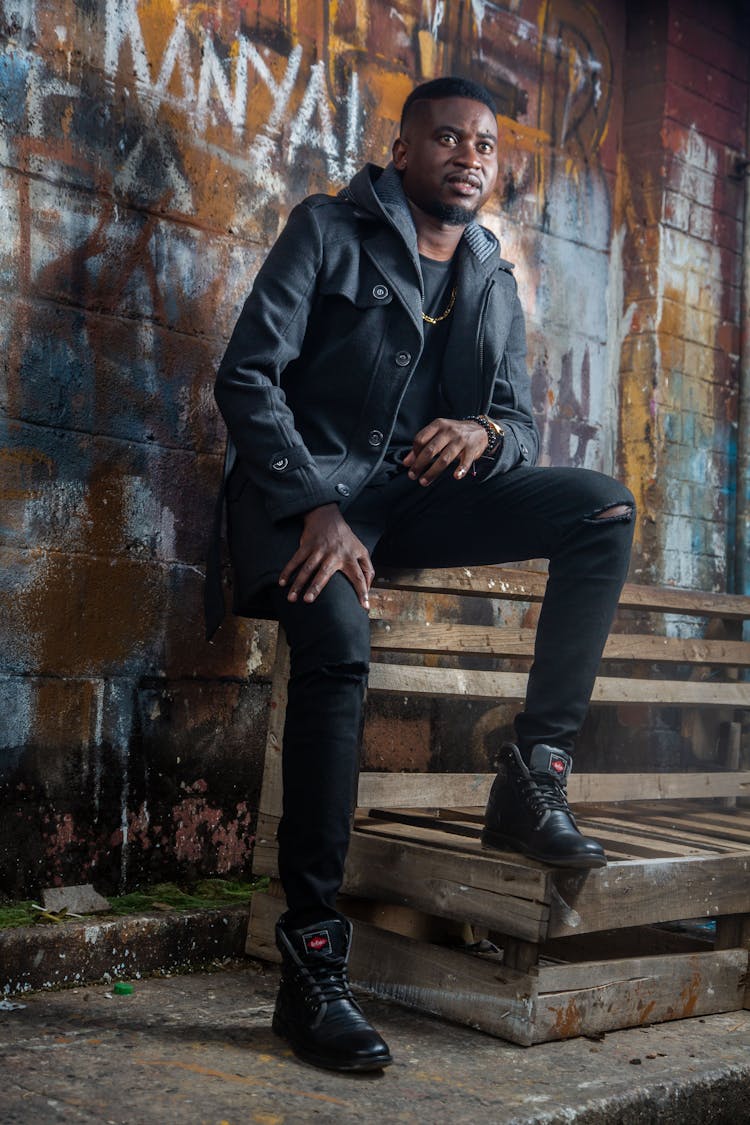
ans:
(398, 152)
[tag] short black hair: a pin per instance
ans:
(448, 87)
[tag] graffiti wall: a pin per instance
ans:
(149, 153)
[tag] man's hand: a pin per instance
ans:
(327, 544)
(440, 444)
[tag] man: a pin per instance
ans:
(376, 396)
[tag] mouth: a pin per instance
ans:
(465, 183)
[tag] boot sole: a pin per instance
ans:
(324, 1063)
(502, 843)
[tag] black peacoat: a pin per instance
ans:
(321, 356)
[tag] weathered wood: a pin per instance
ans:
(425, 875)
(667, 837)
(435, 790)
(269, 811)
(647, 891)
(720, 837)
(454, 884)
(552, 1002)
(520, 955)
(484, 640)
(599, 996)
(526, 585)
(733, 932)
(406, 679)
(733, 755)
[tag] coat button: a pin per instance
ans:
(375, 437)
(280, 464)
(343, 489)
(403, 359)
(380, 292)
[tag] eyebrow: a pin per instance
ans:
(455, 129)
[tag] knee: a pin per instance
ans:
(332, 633)
(614, 504)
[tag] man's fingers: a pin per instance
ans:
(356, 575)
(296, 560)
(304, 574)
(437, 463)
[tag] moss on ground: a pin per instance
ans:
(203, 895)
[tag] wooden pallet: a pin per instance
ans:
(570, 952)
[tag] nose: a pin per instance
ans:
(466, 155)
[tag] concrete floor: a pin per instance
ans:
(198, 1049)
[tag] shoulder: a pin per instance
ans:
(336, 219)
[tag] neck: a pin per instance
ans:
(435, 239)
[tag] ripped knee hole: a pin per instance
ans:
(613, 514)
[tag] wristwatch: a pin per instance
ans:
(495, 432)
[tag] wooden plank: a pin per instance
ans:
(269, 809)
(404, 679)
(483, 889)
(596, 997)
(435, 790)
(485, 640)
(442, 982)
(527, 585)
(642, 892)
(701, 831)
(665, 838)
(612, 835)
(617, 837)
(684, 820)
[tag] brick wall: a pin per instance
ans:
(682, 206)
(148, 154)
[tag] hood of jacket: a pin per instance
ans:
(379, 192)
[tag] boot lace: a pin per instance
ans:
(323, 983)
(544, 795)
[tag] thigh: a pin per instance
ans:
(333, 630)
(520, 515)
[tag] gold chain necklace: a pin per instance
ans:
(443, 315)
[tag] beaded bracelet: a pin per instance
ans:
(493, 435)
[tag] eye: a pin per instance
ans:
(486, 148)
(448, 138)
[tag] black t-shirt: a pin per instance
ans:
(422, 400)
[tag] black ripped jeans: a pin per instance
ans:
(528, 513)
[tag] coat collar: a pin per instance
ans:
(379, 191)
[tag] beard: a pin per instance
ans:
(451, 213)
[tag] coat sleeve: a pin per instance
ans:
(268, 336)
(511, 405)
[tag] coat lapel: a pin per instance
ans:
(399, 272)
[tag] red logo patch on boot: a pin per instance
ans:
(557, 765)
(319, 942)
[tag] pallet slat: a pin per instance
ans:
(483, 640)
(406, 679)
(528, 585)
(436, 790)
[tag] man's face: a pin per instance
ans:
(448, 157)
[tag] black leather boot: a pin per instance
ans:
(315, 1009)
(528, 810)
